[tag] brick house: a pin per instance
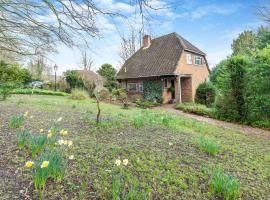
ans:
(171, 59)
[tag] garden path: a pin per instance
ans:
(233, 126)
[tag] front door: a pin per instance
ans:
(173, 89)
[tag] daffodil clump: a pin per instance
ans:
(52, 160)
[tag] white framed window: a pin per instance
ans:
(198, 60)
(140, 87)
(132, 87)
(189, 59)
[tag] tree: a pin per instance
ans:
(216, 71)
(38, 68)
(86, 61)
(230, 103)
(262, 37)
(74, 79)
(245, 44)
(109, 73)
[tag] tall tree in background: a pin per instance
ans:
(109, 73)
(39, 68)
(244, 44)
(263, 37)
(86, 61)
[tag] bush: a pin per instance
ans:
(225, 185)
(79, 94)
(146, 104)
(74, 79)
(152, 91)
(121, 95)
(6, 90)
(207, 145)
(205, 93)
(38, 91)
(196, 109)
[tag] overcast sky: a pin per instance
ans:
(209, 25)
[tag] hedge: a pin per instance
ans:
(39, 91)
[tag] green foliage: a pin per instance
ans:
(205, 93)
(40, 177)
(22, 137)
(16, 121)
(121, 95)
(225, 185)
(138, 121)
(245, 44)
(6, 89)
(13, 73)
(79, 94)
(207, 145)
(109, 73)
(74, 79)
(38, 91)
(230, 102)
(217, 71)
(152, 91)
(263, 37)
(196, 109)
(36, 144)
(146, 104)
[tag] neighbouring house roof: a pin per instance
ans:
(160, 58)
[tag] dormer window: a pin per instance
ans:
(189, 59)
(198, 60)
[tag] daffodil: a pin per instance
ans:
(70, 143)
(65, 142)
(62, 131)
(29, 164)
(65, 133)
(25, 114)
(49, 131)
(41, 130)
(71, 157)
(170, 143)
(49, 135)
(60, 142)
(125, 162)
(59, 119)
(117, 162)
(45, 164)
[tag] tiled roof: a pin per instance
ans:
(161, 58)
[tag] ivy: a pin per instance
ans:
(152, 91)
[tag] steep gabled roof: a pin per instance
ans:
(161, 58)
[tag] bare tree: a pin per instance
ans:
(264, 12)
(86, 61)
(39, 68)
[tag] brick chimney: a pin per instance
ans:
(146, 41)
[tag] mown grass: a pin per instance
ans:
(156, 169)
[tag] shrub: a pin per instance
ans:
(146, 104)
(74, 79)
(23, 138)
(207, 145)
(16, 121)
(205, 93)
(225, 185)
(36, 144)
(121, 95)
(138, 121)
(6, 90)
(196, 109)
(152, 91)
(38, 91)
(78, 94)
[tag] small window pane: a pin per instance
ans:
(198, 60)
(132, 87)
(140, 87)
(189, 59)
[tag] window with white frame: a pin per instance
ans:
(198, 60)
(132, 87)
(140, 87)
(189, 59)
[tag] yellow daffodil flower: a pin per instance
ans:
(71, 157)
(45, 164)
(49, 135)
(60, 142)
(29, 164)
(59, 119)
(125, 162)
(117, 162)
(65, 133)
(25, 114)
(41, 130)
(70, 143)
(170, 143)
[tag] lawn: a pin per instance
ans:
(169, 156)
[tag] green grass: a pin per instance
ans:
(156, 169)
(79, 94)
(207, 145)
(225, 185)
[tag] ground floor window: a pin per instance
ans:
(140, 87)
(132, 87)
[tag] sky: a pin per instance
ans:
(210, 25)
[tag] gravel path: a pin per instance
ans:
(237, 127)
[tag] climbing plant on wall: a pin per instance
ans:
(152, 91)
